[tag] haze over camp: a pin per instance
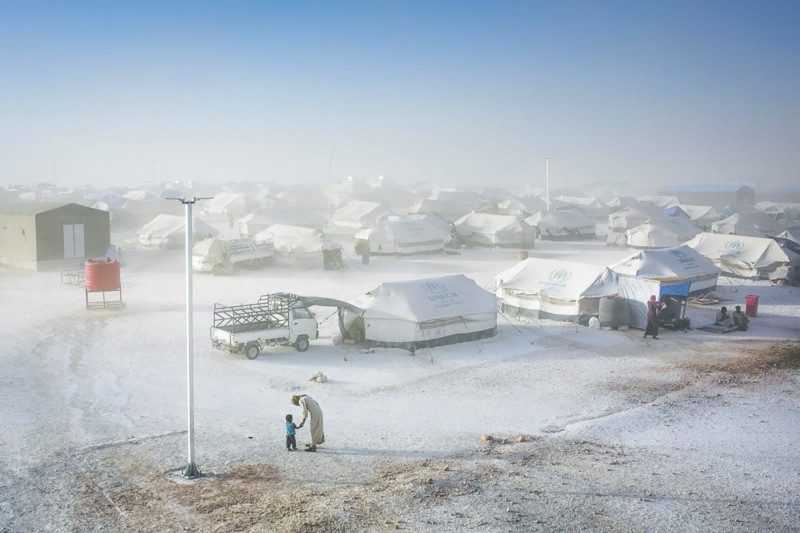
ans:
(449, 267)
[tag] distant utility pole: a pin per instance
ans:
(190, 471)
(547, 193)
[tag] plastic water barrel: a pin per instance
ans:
(102, 276)
(614, 312)
(751, 305)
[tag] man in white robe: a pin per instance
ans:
(311, 408)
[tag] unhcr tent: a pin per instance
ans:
(261, 219)
(423, 312)
(357, 214)
(169, 231)
(566, 224)
(296, 246)
(673, 292)
(521, 205)
(555, 289)
(671, 263)
(665, 232)
(483, 229)
(406, 235)
(744, 257)
(751, 224)
(628, 218)
(226, 203)
(588, 205)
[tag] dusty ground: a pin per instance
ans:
(551, 482)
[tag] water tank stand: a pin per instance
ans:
(114, 302)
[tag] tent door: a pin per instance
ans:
(74, 242)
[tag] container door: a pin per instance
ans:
(80, 246)
(69, 242)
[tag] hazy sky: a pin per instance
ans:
(451, 92)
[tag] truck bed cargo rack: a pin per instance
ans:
(271, 311)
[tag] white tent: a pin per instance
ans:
(628, 218)
(751, 224)
(404, 235)
(297, 246)
(555, 288)
(424, 312)
(483, 229)
(701, 215)
(791, 234)
(358, 215)
(665, 232)
(565, 224)
(261, 219)
(746, 257)
(168, 231)
(671, 263)
(449, 205)
(521, 205)
(588, 205)
(658, 200)
(226, 203)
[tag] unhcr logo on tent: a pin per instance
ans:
(677, 253)
(734, 245)
(434, 286)
(560, 275)
(439, 293)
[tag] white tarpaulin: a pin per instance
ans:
(425, 312)
(679, 262)
(555, 288)
(701, 215)
(665, 232)
(226, 203)
(358, 214)
(736, 255)
(484, 229)
(297, 246)
(449, 205)
(564, 224)
(168, 231)
(411, 234)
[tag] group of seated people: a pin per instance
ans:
(737, 319)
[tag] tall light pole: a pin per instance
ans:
(190, 471)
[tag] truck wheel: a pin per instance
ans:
(301, 344)
(251, 352)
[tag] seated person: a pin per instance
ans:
(723, 318)
(740, 319)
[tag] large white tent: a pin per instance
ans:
(168, 231)
(664, 232)
(702, 216)
(404, 235)
(298, 246)
(483, 229)
(261, 219)
(680, 262)
(751, 224)
(628, 218)
(588, 205)
(423, 312)
(357, 214)
(565, 224)
(740, 256)
(226, 203)
(555, 288)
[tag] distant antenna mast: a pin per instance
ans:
(547, 197)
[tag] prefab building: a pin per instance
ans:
(46, 235)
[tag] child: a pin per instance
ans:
(291, 427)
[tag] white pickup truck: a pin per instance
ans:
(276, 319)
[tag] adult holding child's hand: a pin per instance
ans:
(311, 409)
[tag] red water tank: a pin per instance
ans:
(102, 276)
(751, 305)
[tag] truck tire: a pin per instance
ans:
(252, 350)
(301, 343)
